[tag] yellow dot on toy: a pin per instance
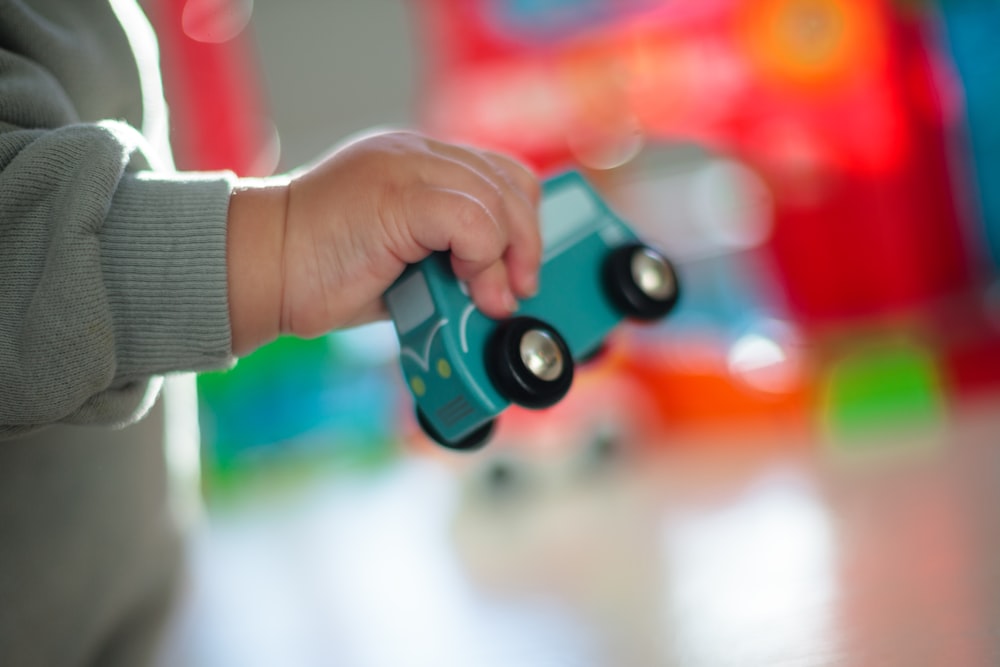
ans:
(444, 368)
(418, 386)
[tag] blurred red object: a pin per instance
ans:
(212, 84)
(966, 332)
(837, 104)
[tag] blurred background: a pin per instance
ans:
(800, 466)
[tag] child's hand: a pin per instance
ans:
(316, 253)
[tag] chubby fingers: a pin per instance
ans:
(524, 253)
(491, 208)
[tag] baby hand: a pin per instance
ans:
(350, 224)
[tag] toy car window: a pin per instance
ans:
(564, 212)
(410, 303)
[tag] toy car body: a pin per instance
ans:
(464, 368)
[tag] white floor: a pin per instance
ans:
(681, 557)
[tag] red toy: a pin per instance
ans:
(212, 83)
(835, 103)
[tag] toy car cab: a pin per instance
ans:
(464, 368)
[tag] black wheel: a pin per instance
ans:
(529, 362)
(641, 282)
(471, 442)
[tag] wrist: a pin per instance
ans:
(254, 248)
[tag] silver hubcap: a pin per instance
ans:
(541, 355)
(652, 275)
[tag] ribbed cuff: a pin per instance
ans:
(163, 255)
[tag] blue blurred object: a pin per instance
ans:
(712, 215)
(544, 19)
(973, 27)
(725, 297)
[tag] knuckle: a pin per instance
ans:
(476, 216)
(519, 175)
(493, 198)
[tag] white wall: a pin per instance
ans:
(332, 68)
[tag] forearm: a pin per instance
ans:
(112, 268)
(107, 277)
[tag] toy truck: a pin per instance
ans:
(464, 368)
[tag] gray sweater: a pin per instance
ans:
(112, 273)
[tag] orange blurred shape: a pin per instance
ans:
(813, 44)
(706, 387)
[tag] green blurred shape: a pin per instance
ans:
(292, 405)
(270, 364)
(881, 385)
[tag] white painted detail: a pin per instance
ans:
(423, 360)
(462, 326)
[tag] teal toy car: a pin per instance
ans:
(464, 368)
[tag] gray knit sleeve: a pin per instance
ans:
(109, 275)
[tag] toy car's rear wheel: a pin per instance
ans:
(529, 362)
(472, 441)
(641, 282)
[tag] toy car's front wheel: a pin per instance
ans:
(641, 282)
(529, 362)
(474, 440)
